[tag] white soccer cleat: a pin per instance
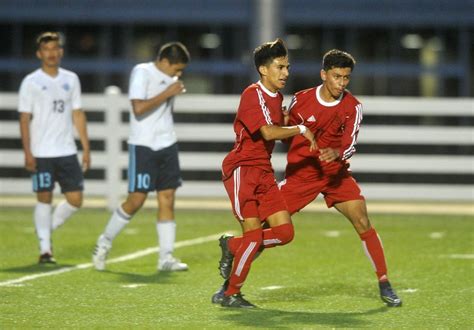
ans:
(101, 250)
(171, 264)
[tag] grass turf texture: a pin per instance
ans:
(322, 279)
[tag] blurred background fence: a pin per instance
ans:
(403, 47)
(409, 148)
(415, 63)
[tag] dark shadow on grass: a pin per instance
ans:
(35, 268)
(308, 293)
(273, 318)
(153, 278)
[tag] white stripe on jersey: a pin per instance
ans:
(264, 108)
(351, 149)
(239, 139)
(292, 103)
(244, 258)
(302, 119)
(236, 192)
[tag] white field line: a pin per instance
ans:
(131, 256)
(461, 256)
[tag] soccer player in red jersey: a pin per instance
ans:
(248, 175)
(333, 114)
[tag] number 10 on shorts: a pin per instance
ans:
(143, 181)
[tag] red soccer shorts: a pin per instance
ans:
(254, 193)
(299, 192)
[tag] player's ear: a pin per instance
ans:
(323, 75)
(38, 54)
(263, 70)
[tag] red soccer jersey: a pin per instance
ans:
(334, 125)
(258, 107)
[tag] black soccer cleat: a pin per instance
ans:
(236, 301)
(388, 296)
(225, 264)
(218, 296)
(46, 258)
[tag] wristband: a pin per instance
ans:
(302, 128)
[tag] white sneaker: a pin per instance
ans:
(101, 250)
(171, 264)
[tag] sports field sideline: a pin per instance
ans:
(431, 207)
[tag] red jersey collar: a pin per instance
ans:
(266, 90)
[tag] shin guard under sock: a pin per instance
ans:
(243, 258)
(374, 250)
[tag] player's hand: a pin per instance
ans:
(86, 161)
(30, 163)
(176, 88)
(328, 154)
(310, 137)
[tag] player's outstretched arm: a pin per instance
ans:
(273, 132)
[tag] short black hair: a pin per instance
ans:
(47, 37)
(267, 52)
(336, 58)
(175, 52)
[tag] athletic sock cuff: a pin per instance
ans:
(368, 234)
(284, 228)
(41, 204)
(257, 233)
(70, 207)
(122, 214)
(283, 234)
(165, 222)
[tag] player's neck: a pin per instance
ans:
(326, 95)
(268, 86)
(50, 70)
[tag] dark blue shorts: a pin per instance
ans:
(65, 170)
(150, 170)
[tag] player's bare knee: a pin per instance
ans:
(132, 205)
(166, 199)
(136, 205)
(45, 197)
(74, 198)
(361, 224)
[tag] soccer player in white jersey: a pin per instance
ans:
(153, 153)
(49, 106)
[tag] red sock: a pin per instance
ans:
(234, 244)
(243, 258)
(374, 250)
(279, 235)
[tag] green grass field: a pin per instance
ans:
(321, 280)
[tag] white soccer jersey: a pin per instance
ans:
(51, 101)
(154, 129)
